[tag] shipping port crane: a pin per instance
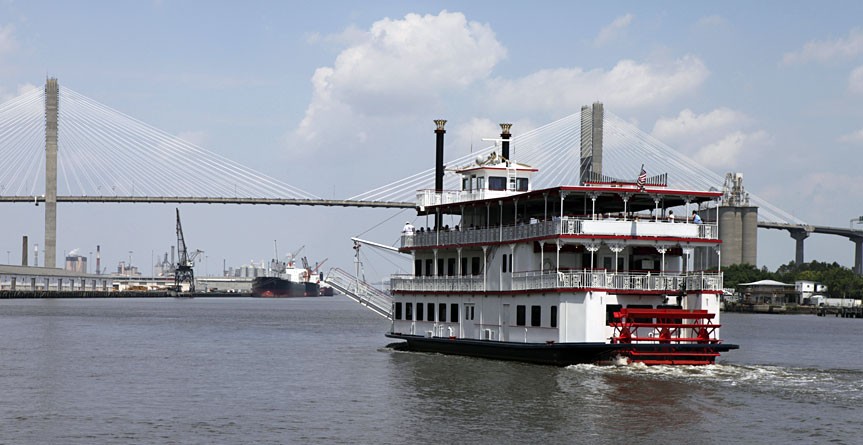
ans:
(184, 273)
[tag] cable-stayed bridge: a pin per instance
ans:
(61, 146)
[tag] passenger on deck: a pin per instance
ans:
(671, 216)
(695, 218)
(408, 229)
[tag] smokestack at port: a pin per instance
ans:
(439, 167)
(98, 259)
(505, 136)
(24, 251)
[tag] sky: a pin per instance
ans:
(338, 98)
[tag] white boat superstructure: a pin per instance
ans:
(567, 274)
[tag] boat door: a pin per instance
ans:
(471, 330)
(503, 335)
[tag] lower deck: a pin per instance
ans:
(570, 317)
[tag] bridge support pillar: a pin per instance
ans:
(858, 255)
(52, 102)
(799, 236)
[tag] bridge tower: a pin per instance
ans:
(52, 105)
(591, 140)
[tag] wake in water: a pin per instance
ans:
(837, 386)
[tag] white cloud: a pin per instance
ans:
(715, 139)
(819, 191)
(628, 85)
(727, 151)
(23, 88)
(710, 22)
(614, 30)
(854, 138)
(198, 138)
(8, 44)
(855, 80)
(399, 65)
(823, 51)
(688, 125)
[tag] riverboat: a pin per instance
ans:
(591, 273)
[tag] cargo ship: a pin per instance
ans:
(595, 273)
(288, 281)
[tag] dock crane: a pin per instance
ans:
(184, 272)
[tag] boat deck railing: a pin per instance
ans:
(561, 226)
(573, 279)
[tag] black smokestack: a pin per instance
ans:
(438, 172)
(505, 136)
(24, 251)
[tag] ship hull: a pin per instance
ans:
(565, 354)
(274, 287)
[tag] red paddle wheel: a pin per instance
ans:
(666, 336)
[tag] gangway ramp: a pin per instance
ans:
(361, 292)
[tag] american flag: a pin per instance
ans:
(642, 179)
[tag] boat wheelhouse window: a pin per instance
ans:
(429, 266)
(553, 316)
(409, 311)
(441, 312)
(453, 312)
(440, 267)
(520, 315)
(474, 266)
(450, 266)
(465, 184)
(496, 183)
(610, 309)
(464, 266)
(420, 312)
(430, 312)
(480, 183)
(418, 268)
(398, 311)
(521, 184)
(536, 316)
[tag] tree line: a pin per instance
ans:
(841, 281)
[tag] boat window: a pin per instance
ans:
(520, 315)
(480, 183)
(453, 312)
(398, 311)
(420, 312)
(431, 311)
(450, 267)
(468, 312)
(441, 312)
(429, 266)
(440, 267)
(409, 311)
(465, 183)
(496, 183)
(536, 316)
(610, 309)
(553, 316)
(522, 184)
(418, 268)
(464, 266)
(474, 266)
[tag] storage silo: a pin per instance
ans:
(749, 228)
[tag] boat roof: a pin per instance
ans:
(609, 198)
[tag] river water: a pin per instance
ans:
(225, 370)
